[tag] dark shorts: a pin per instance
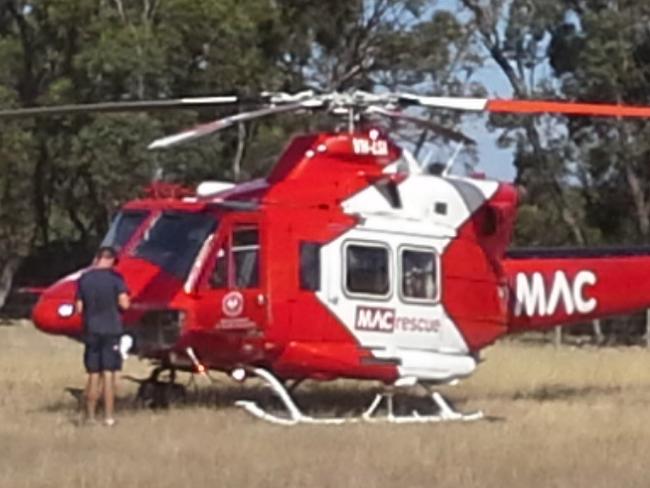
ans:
(102, 353)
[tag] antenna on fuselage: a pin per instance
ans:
(450, 163)
(406, 164)
(428, 158)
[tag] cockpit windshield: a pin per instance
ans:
(175, 239)
(123, 227)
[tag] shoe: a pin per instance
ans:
(109, 422)
(89, 422)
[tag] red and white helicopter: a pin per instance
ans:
(348, 260)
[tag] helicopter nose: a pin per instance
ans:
(55, 312)
(56, 316)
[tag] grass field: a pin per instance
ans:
(568, 417)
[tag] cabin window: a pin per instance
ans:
(242, 257)
(245, 252)
(367, 269)
(419, 274)
(310, 266)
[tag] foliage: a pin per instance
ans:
(591, 173)
(62, 178)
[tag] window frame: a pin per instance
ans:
(136, 232)
(232, 268)
(391, 275)
(400, 271)
(212, 263)
(227, 244)
(143, 235)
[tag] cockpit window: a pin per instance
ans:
(123, 227)
(175, 239)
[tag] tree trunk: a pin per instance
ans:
(557, 336)
(239, 155)
(8, 269)
(598, 332)
(640, 203)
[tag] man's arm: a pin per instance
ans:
(79, 304)
(124, 301)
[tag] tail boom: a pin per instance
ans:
(561, 288)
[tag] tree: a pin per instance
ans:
(515, 35)
(70, 173)
(601, 55)
(17, 229)
(63, 177)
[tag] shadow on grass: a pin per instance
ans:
(555, 392)
(314, 399)
(320, 400)
(9, 321)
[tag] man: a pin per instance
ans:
(101, 295)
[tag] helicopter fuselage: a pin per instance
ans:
(344, 262)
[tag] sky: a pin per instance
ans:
(495, 162)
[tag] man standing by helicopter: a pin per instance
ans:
(101, 296)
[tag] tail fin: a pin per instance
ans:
(565, 286)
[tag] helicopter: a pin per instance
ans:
(348, 260)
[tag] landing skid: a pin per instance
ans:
(295, 415)
(445, 412)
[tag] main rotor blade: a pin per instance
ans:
(567, 108)
(526, 106)
(452, 135)
(217, 125)
(144, 105)
(454, 103)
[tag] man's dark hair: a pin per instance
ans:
(107, 252)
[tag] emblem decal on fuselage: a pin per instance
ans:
(233, 304)
(534, 298)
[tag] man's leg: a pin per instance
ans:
(109, 395)
(111, 364)
(100, 390)
(92, 360)
(92, 395)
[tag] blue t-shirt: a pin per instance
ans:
(99, 289)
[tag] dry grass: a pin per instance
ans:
(569, 418)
